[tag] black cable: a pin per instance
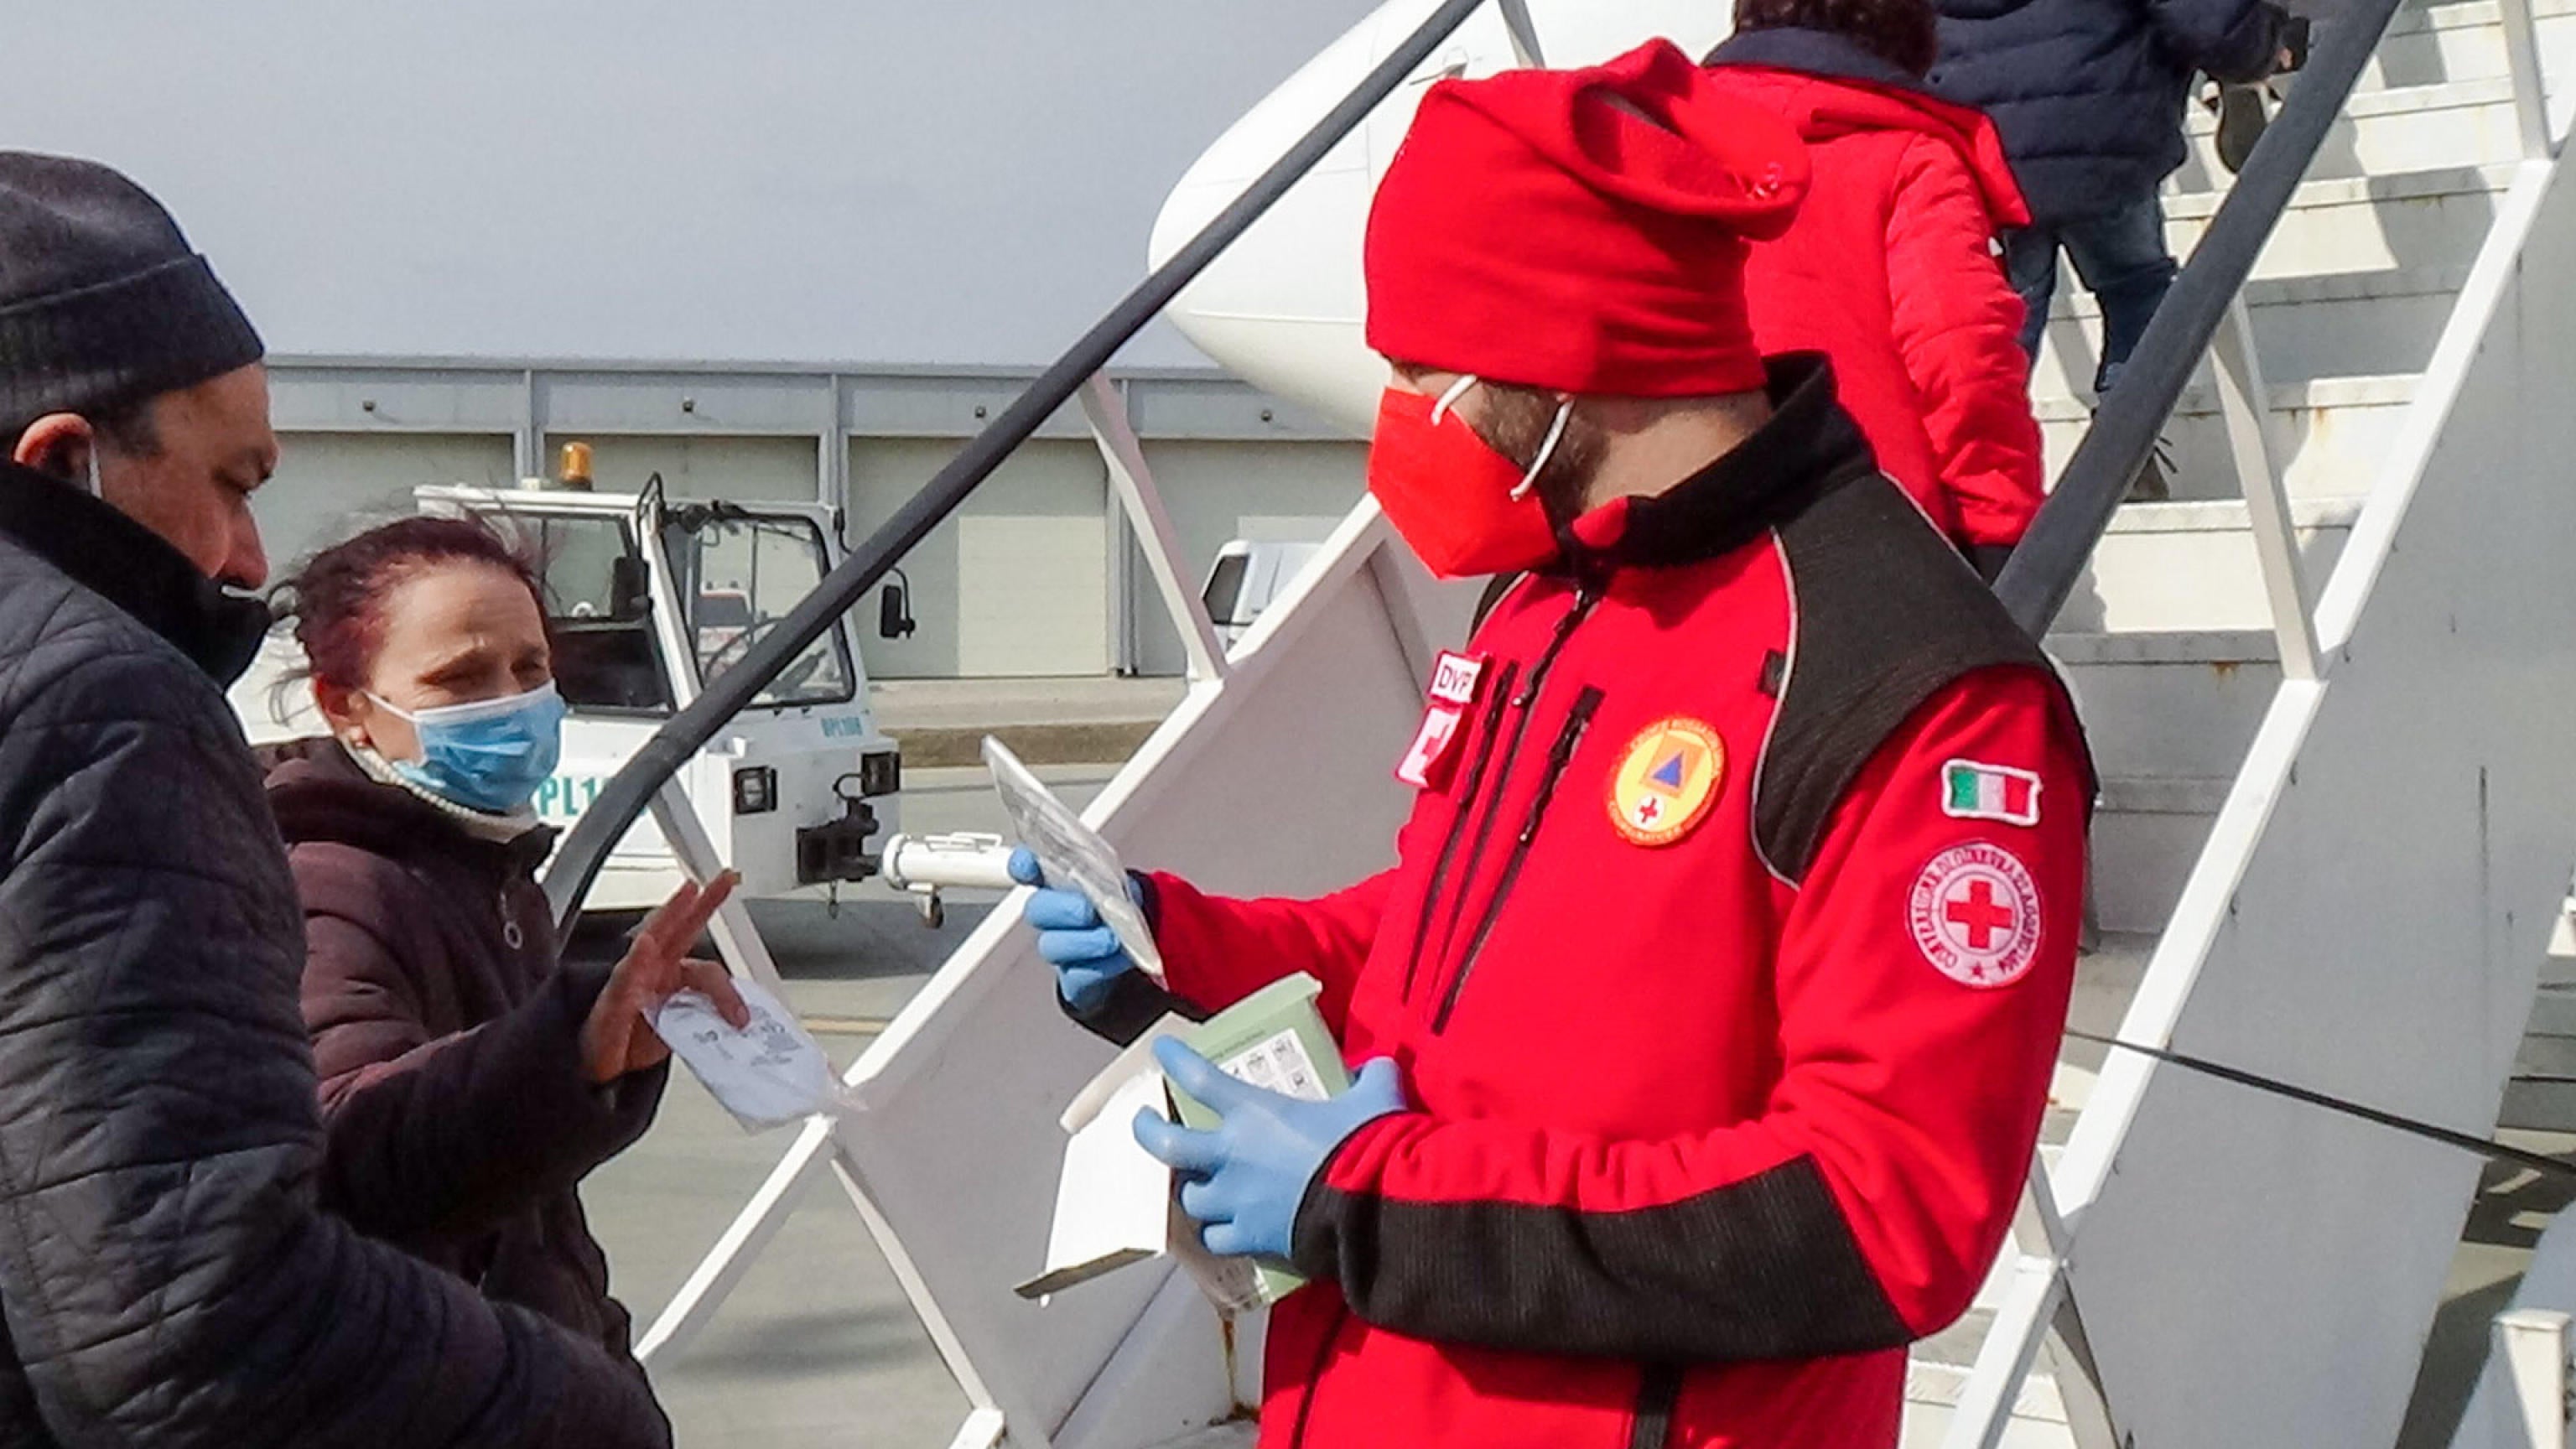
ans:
(2497, 1151)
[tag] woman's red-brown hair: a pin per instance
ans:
(337, 597)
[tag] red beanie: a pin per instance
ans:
(1581, 231)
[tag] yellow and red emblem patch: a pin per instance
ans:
(1667, 781)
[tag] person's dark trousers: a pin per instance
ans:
(2122, 260)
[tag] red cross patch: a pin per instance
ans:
(1426, 764)
(1975, 914)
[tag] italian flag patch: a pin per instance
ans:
(1971, 791)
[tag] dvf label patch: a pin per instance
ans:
(1667, 781)
(1455, 678)
(1971, 791)
(1975, 914)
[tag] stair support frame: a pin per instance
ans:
(2530, 89)
(2242, 401)
(1131, 481)
(2532, 1345)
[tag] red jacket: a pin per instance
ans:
(1726, 958)
(1890, 271)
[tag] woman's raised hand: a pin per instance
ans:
(617, 1038)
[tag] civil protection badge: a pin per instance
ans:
(1667, 781)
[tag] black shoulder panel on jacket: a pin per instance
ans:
(1886, 614)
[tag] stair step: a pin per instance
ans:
(1936, 1370)
(1927, 1420)
(1239, 1435)
(2191, 568)
(2399, 129)
(2554, 1012)
(2541, 1095)
(2146, 837)
(2181, 706)
(2462, 41)
(2538, 1105)
(2547, 1057)
(2164, 795)
(2364, 223)
(2329, 435)
(2196, 646)
(2335, 324)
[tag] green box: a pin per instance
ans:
(1274, 1038)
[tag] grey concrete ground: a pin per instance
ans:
(817, 1346)
(942, 722)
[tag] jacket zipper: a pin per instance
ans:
(1526, 702)
(1493, 727)
(1657, 1393)
(1562, 754)
(1315, 1376)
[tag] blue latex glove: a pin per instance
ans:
(1245, 1180)
(1085, 953)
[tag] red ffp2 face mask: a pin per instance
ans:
(1465, 509)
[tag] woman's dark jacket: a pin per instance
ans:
(457, 1114)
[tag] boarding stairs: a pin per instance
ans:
(2172, 639)
(2326, 687)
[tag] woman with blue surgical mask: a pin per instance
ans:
(469, 1079)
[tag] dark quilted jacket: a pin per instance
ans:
(2089, 93)
(455, 1110)
(167, 1277)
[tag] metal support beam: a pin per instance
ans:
(527, 441)
(2079, 1377)
(832, 481)
(1985, 1404)
(2038, 1314)
(717, 1274)
(982, 1430)
(2532, 1344)
(737, 940)
(1133, 484)
(2530, 87)
(1524, 32)
(2245, 405)
(1126, 639)
(817, 1142)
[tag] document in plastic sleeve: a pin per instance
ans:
(1072, 853)
(768, 1074)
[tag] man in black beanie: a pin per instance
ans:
(165, 1276)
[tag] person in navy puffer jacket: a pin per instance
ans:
(2089, 97)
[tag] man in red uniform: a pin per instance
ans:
(1709, 1010)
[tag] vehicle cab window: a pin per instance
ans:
(599, 605)
(740, 574)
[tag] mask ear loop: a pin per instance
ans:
(1449, 399)
(1546, 450)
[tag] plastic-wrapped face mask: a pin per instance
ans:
(490, 755)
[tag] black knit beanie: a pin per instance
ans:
(101, 301)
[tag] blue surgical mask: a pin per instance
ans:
(490, 755)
